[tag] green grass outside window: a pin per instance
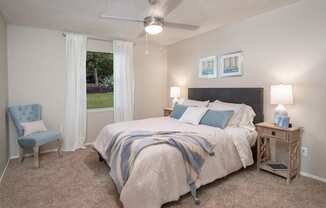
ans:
(99, 100)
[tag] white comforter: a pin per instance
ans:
(158, 175)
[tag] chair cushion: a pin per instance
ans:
(39, 138)
(33, 127)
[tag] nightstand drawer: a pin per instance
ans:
(279, 134)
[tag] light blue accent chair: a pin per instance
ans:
(28, 113)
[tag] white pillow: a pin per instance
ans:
(225, 106)
(195, 103)
(243, 114)
(247, 118)
(193, 115)
(33, 127)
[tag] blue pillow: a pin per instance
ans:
(178, 111)
(216, 118)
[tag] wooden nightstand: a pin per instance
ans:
(290, 136)
(167, 111)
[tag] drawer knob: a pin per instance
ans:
(273, 133)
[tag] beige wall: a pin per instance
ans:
(3, 96)
(96, 120)
(150, 76)
(287, 45)
(36, 75)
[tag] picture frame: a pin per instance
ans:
(231, 64)
(208, 67)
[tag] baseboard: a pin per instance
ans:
(4, 171)
(313, 176)
(31, 154)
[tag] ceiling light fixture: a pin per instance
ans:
(153, 25)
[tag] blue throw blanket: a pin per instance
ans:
(126, 146)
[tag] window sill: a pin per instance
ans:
(96, 110)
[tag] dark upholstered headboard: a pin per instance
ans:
(253, 97)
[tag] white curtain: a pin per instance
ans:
(75, 97)
(123, 81)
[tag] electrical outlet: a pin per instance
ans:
(304, 151)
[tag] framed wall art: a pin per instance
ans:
(231, 64)
(208, 67)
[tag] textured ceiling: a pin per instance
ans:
(83, 15)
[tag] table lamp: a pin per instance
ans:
(281, 95)
(175, 94)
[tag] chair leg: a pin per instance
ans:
(21, 154)
(59, 147)
(36, 156)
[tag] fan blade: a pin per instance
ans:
(121, 18)
(169, 6)
(162, 8)
(153, 2)
(181, 26)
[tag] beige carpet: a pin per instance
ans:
(78, 180)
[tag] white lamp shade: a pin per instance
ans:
(281, 94)
(175, 92)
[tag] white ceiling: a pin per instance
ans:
(83, 15)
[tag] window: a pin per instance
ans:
(99, 76)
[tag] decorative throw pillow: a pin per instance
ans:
(193, 115)
(222, 106)
(178, 111)
(218, 119)
(195, 103)
(33, 127)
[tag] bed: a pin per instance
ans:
(158, 175)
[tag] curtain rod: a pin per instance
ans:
(97, 38)
(92, 38)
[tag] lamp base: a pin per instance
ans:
(280, 111)
(174, 101)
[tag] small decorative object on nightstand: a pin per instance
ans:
(281, 95)
(175, 94)
(290, 136)
(167, 111)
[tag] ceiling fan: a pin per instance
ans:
(154, 22)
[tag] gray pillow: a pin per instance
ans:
(218, 119)
(178, 111)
